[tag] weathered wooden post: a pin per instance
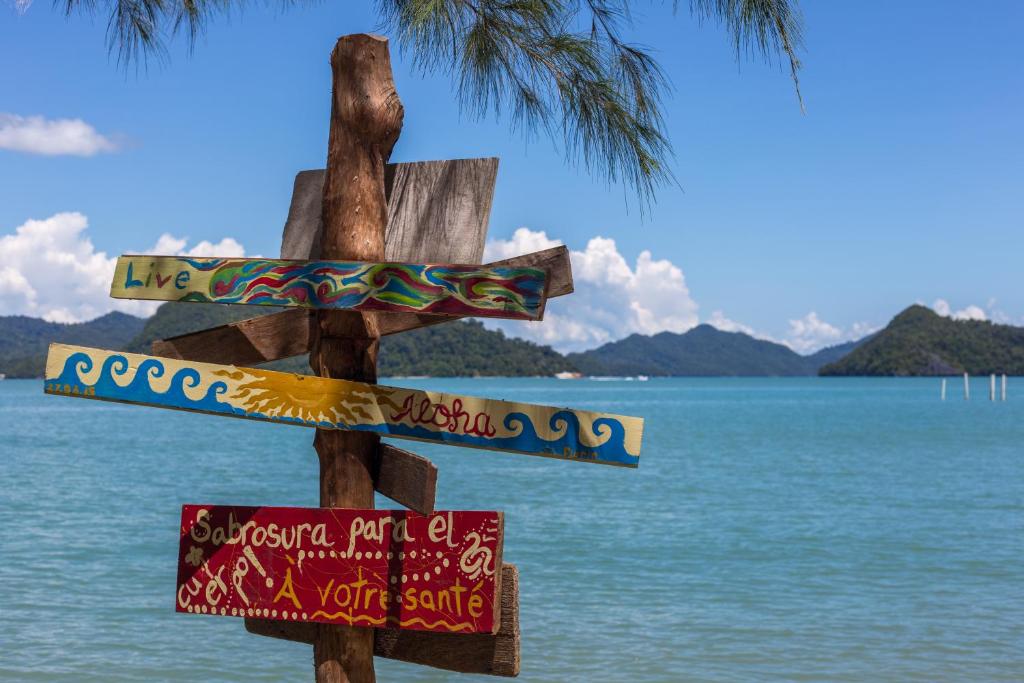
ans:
(368, 250)
(366, 119)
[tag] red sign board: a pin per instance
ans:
(375, 568)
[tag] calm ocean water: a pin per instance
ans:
(777, 529)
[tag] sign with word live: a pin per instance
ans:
(485, 291)
(374, 568)
(259, 394)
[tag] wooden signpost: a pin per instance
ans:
(356, 567)
(286, 334)
(424, 587)
(335, 404)
(495, 292)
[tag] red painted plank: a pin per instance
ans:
(375, 568)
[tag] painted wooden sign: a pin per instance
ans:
(340, 404)
(495, 292)
(374, 568)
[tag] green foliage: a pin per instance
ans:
(561, 67)
(175, 318)
(24, 340)
(703, 351)
(455, 349)
(466, 349)
(918, 341)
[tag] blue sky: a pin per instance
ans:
(901, 183)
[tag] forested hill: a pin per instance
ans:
(702, 351)
(462, 348)
(919, 341)
(23, 340)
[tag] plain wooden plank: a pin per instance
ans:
(496, 655)
(337, 404)
(441, 289)
(246, 342)
(281, 335)
(406, 478)
(437, 211)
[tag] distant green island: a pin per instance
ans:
(916, 342)
(920, 342)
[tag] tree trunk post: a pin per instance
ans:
(366, 119)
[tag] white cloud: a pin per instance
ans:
(805, 335)
(612, 299)
(719, 321)
(971, 312)
(21, 6)
(810, 333)
(37, 135)
(168, 245)
(50, 269)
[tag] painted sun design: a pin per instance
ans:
(278, 395)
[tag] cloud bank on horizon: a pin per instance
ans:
(50, 269)
(52, 137)
(613, 298)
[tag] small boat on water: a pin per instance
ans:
(567, 375)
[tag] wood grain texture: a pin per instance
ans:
(281, 335)
(496, 655)
(338, 405)
(366, 119)
(406, 478)
(437, 211)
(246, 342)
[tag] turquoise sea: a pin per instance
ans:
(776, 530)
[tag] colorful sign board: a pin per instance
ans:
(496, 292)
(324, 403)
(374, 568)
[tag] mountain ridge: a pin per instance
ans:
(920, 342)
(24, 340)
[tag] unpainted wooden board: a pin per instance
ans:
(437, 211)
(496, 655)
(406, 478)
(246, 342)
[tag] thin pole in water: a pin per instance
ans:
(1004, 386)
(943, 388)
(992, 387)
(967, 388)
